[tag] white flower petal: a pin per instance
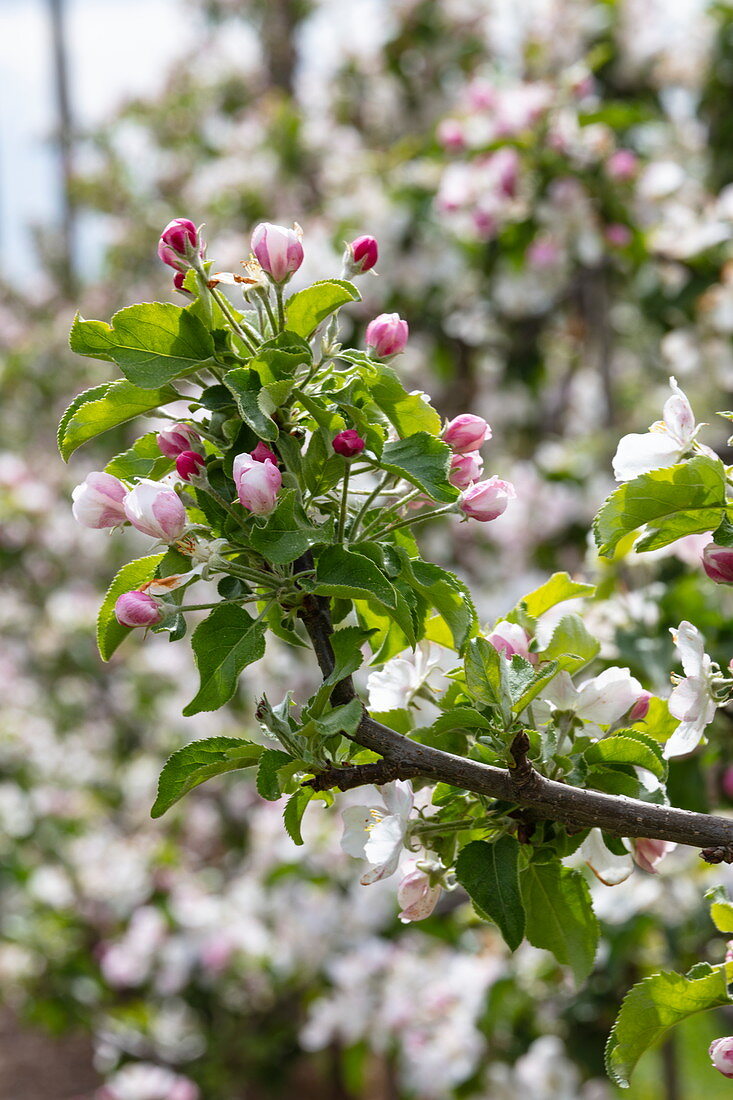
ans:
(398, 797)
(609, 868)
(384, 842)
(357, 820)
(685, 738)
(638, 454)
(690, 646)
(608, 696)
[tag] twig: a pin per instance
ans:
(572, 806)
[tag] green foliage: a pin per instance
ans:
(268, 781)
(686, 499)
(721, 909)
(487, 677)
(571, 645)
(560, 915)
(287, 532)
(143, 459)
(424, 461)
(631, 747)
(226, 641)
(449, 596)
(408, 413)
(152, 343)
(489, 874)
(246, 388)
(655, 1005)
(557, 589)
(103, 407)
(199, 761)
(295, 807)
(308, 308)
(110, 633)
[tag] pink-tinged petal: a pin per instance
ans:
(721, 1055)
(398, 797)
(415, 894)
(649, 853)
(466, 432)
(679, 417)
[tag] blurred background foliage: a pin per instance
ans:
(550, 184)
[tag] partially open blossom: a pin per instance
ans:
(361, 255)
(178, 242)
(640, 708)
(278, 250)
(377, 832)
(608, 867)
(599, 701)
(262, 453)
(510, 638)
(717, 561)
(666, 442)
(403, 677)
(692, 701)
(721, 1055)
(258, 483)
(137, 609)
(99, 501)
(465, 469)
(190, 464)
(486, 500)
(466, 433)
(155, 510)
(622, 165)
(387, 335)
(348, 443)
(176, 439)
(416, 897)
(648, 853)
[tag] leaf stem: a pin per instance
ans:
(344, 509)
(280, 306)
(265, 298)
(409, 521)
(249, 337)
(367, 504)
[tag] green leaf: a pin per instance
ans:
(287, 533)
(652, 1007)
(721, 909)
(560, 915)
(104, 407)
(343, 719)
(557, 589)
(680, 500)
(223, 644)
(245, 385)
(293, 813)
(571, 645)
(424, 461)
(306, 310)
(268, 783)
(143, 459)
(152, 343)
(486, 676)
(538, 683)
(109, 632)
(198, 762)
(460, 719)
(629, 747)
(346, 573)
(443, 591)
(488, 873)
(408, 413)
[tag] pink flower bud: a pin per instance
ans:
(278, 250)
(178, 243)
(622, 165)
(415, 894)
(717, 561)
(648, 853)
(262, 453)
(348, 443)
(361, 255)
(178, 280)
(189, 464)
(258, 484)
(137, 609)
(177, 439)
(99, 501)
(618, 235)
(510, 638)
(543, 252)
(721, 1055)
(487, 499)
(387, 335)
(155, 511)
(465, 469)
(466, 433)
(640, 708)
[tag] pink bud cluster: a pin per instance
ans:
(348, 443)
(482, 500)
(103, 501)
(180, 244)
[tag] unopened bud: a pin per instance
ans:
(262, 453)
(640, 708)
(717, 561)
(177, 439)
(466, 433)
(348, 443)
(278, 250)
(387, 335)
(465, 469)
(179, 242)
(486, 500)
(360, 256)
(721, 1055)
(137, 609)
(189, 464)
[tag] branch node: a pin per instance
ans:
(722, 854)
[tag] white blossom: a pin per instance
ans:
(377, 832)
(597, 702)
(666, 442)
(692, 700)
(402, 678)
